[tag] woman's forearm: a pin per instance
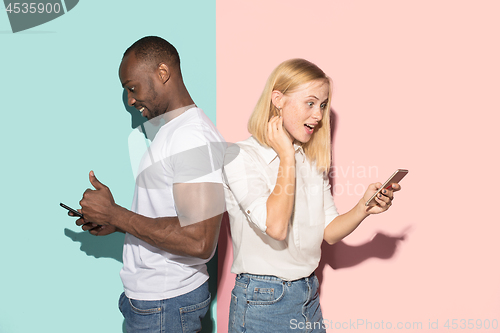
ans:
(280, 202)
(344, 224)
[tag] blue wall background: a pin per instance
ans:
(63, 115)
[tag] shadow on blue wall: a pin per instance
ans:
(98, 247)
(136, 117)
(111, 247)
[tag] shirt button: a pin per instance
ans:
(248, 211)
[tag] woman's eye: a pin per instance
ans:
(310, 103)
(323, 105)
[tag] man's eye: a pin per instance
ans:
(131, 89)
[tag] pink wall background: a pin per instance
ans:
(416, 86)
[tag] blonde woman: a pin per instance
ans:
(280, 204)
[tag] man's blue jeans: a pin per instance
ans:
(179, 314)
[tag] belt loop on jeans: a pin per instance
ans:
(275, 278)
(307, 278)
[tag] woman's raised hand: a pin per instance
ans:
(279, 140)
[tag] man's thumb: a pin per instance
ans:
(96, 183)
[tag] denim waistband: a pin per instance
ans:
(272, 278)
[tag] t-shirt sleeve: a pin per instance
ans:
(195, 155)
(245, 179)
(329, 206)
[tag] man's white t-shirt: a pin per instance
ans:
(187, 149)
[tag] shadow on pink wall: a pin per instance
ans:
(341, 255)
(337, 256)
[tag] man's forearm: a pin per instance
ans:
(166, 233)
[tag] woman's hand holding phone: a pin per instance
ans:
(383, 199)
(379, 196)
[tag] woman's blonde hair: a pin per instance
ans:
(286, 78)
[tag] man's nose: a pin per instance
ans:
(130, 100)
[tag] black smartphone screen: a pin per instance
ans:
(74, 211)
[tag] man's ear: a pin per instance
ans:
(163, 73)
(276, 99)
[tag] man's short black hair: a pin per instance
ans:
(154, 50)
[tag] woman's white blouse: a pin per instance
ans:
(250, 174)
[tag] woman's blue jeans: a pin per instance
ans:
(261, 303)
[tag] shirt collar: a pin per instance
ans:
(269, 154)
(171, 115)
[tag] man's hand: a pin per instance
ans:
(97, 205)
(101, 230)
(93, 228)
